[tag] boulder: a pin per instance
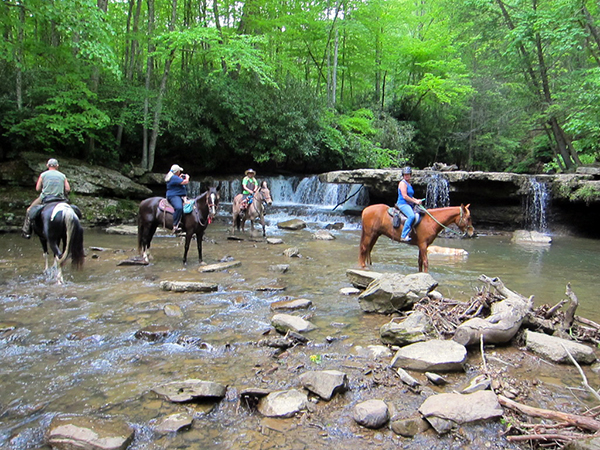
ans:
(292, 252)
(325, 383)
(395, 292)
(361, 278)
(555, 348)
(414, 328)
(371, 413)
(293, 224)
(190, 390)
(431, 356)
(410, 427)
(68, 432)
(282, 403)
(531, 237)
(461, 408)
(286, 322)
(274, 241)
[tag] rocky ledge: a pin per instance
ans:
(497, 199)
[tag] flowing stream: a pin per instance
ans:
(72, 348)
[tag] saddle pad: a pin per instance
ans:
(188, 207)
(60, 207)
(165, 206)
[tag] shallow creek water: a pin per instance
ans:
(73, 348)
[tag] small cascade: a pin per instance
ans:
(438, 191)
(536, 205)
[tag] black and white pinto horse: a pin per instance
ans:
(57, 224)
(151, 216)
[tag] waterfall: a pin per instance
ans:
(536, 203)
(306, 198)
(438, 191)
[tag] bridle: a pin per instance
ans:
(211, 203)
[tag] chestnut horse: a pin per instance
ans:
(150, 217)
(256, 209)
(376, 221)
(57, 224)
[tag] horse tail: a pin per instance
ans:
(140, 230)
(77, 252)
(72, 227)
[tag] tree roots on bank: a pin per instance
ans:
(498, 315)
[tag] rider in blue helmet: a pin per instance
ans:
(406, 201)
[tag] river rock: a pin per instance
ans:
(325, 383)
(299, 303)
(188, 286)
(153, 333)
(350, 291)
(174, 422)
(436, 379)
(292, 252)
(414, 328)
(371, 413)
(373, 351)
(172, 310)
(460, 409)
(410, 427)
(362, 278)
(274, 241)
(129, 230)
(282, 403)
(334, 226)
(434, 355)
(293, 224)
(394, 292)
(531, 237)
(219, 266)
(286, 322)
(281, 268)
(553, 348)
(69, 432)
(406, 378)
(323, 235)
(190, 390)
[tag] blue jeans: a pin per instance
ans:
(177, 202)
(410, 218)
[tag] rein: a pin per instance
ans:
(441, 224)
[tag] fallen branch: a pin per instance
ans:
(583, 377)
(584, 422)
(570, 313)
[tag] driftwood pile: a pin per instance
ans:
(498, 315)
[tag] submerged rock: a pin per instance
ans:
(219, 266)
(293, 224)
(188, 286)
(323, 235)
(67, 432)
(416, 327)
(190, 390)
(299, 303)
(174, 422)
(153, 333)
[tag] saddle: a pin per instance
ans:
(37, 209)
(165, 206)
(398, 218)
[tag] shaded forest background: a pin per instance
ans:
(302, 86)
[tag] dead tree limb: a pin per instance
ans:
(583, 422)
(585, 383)
(570, 313)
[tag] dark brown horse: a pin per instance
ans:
(376, 221)
(150, 217)
(57, 224)
(256, 209)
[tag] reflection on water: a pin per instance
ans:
(72, 348)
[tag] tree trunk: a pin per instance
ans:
(149, 67)
(19, 74)
(161, 92)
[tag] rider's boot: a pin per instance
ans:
(26, 230)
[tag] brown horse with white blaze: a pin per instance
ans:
(376, 221)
